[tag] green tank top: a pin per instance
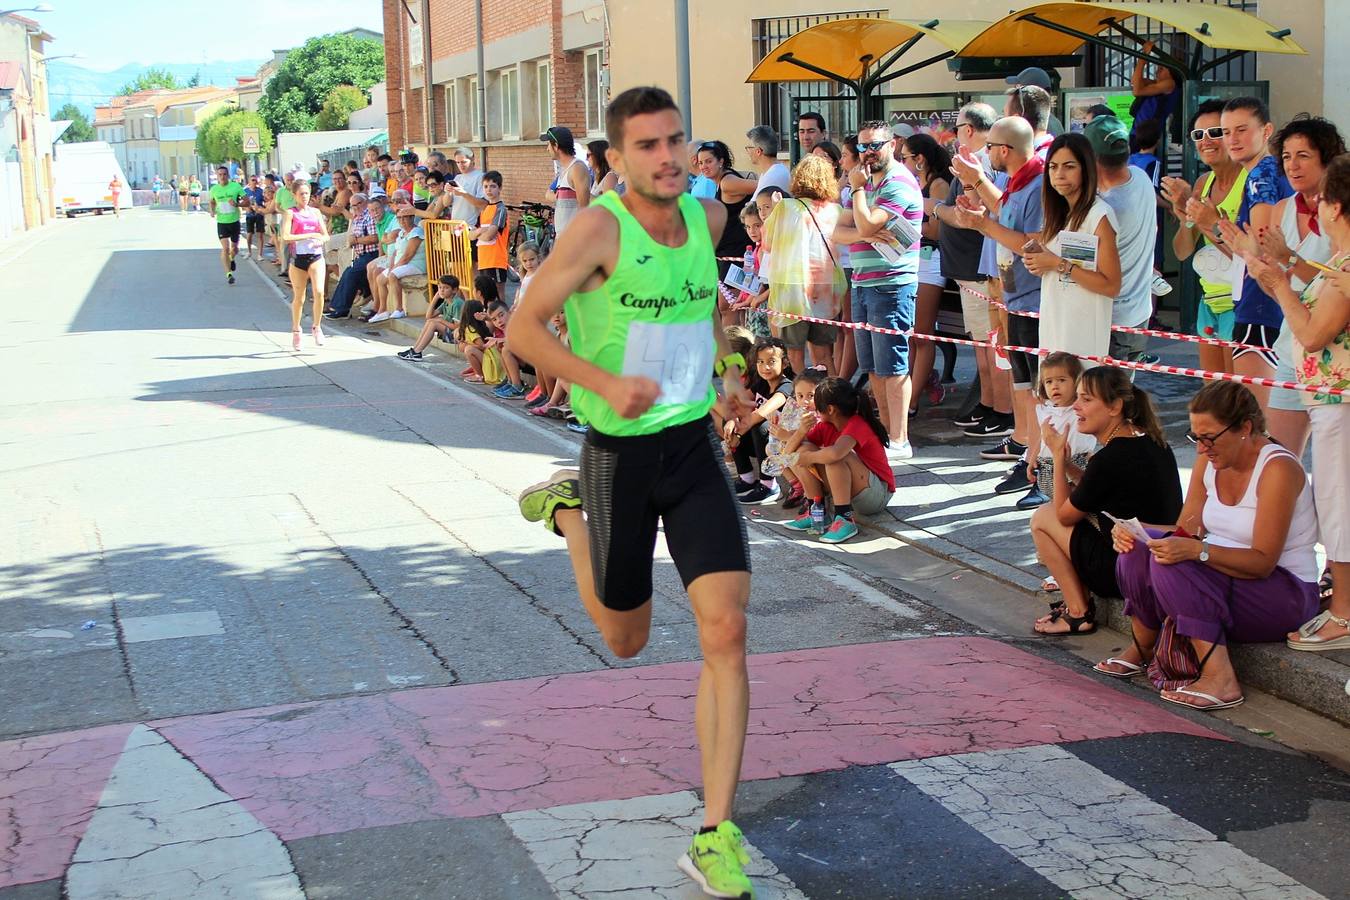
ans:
(1219, 294)
(652, 317)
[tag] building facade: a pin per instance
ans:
(178, 126)
(26, 174)
(542, 62)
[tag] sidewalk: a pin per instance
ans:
(945, 505)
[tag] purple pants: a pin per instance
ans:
(1209, 605)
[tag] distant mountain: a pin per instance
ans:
(70, 83)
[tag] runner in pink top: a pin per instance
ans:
(303, 225)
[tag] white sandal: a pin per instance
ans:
(1308, 632)
(1131, 669)
(1213, 704)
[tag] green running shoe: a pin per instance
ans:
(840, 530)
(541, 502)
(716, 860)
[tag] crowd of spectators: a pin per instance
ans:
(1050, 239)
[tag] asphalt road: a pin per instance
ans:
(270, 626)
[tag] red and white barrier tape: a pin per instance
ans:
(1037, 351)
(1123, 329)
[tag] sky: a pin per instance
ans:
(111, 33)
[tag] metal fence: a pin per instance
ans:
(773, 99)
(1111, 67)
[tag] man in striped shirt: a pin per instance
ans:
(883, 239)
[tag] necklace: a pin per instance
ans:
(1113, 431)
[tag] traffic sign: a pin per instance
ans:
(252, 140)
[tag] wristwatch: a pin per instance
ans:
(731, 359)
(1204, 550)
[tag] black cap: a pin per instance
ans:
(562, 136)
(1033, 75)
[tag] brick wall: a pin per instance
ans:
(394, 37)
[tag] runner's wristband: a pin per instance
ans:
(731, 359)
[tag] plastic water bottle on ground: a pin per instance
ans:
(818, 518)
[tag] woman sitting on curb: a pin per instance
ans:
(1133, 475)
(1249, 574)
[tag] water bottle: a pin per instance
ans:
(788, 419)
(749, 261)
(818, 518)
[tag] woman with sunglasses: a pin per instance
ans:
(733, 191)
(1239, 564)
(1220, 192)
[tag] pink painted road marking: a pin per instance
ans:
(472, 750)
(429, 753)
(49, 787)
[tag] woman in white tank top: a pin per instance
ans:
(1239, 565)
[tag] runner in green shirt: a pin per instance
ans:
(225, 198)
(638, 279)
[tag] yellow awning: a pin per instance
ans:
(1220, 27)
(840, 46)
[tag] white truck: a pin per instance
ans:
(83, 173)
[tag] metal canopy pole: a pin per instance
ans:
(1101, 42)
(877, 82)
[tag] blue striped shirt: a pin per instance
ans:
(898, 194)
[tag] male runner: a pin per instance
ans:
(638, 279)
(225, 197)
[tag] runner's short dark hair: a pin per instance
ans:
(493, 176)
(225, 169)
(638, 101)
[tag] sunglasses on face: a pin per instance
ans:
(871, 146)
(1214, 133)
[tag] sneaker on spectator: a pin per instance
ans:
(333, 315)
(535, 393)
(1015, 481)
(536, 399)
(760, 493)
(993, 425)
(1034, 498)
(741, 485)
(578, 427)
(508, 391)
(1161, 287)
(802, 523)
(1004, 449)
(840, 530)
(378, 317)
(367, 309)
(398, 314)
(795, 496)
(540, 410)
(1144, 357)
(976, 416)
(899, 452)
(411, 355)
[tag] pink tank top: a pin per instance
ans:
(306, 221)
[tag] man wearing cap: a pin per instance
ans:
(574, 179)
(1129, 192)
(364, 244)
(1037, 77)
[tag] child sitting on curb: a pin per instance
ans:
(852, 464)
(442, 316)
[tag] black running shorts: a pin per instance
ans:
(674, 477)
(303, 261)
(254, 223)
(228, 231)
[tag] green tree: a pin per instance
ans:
(80, 129)
(149, 80)
(220, 137)
(195, 80)
(295, 95)
(338, 107)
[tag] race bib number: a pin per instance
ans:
(225, 207)
(677, 357)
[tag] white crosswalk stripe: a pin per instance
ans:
(1088, 833)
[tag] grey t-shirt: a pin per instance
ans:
(1136, 234)
(470, 182)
